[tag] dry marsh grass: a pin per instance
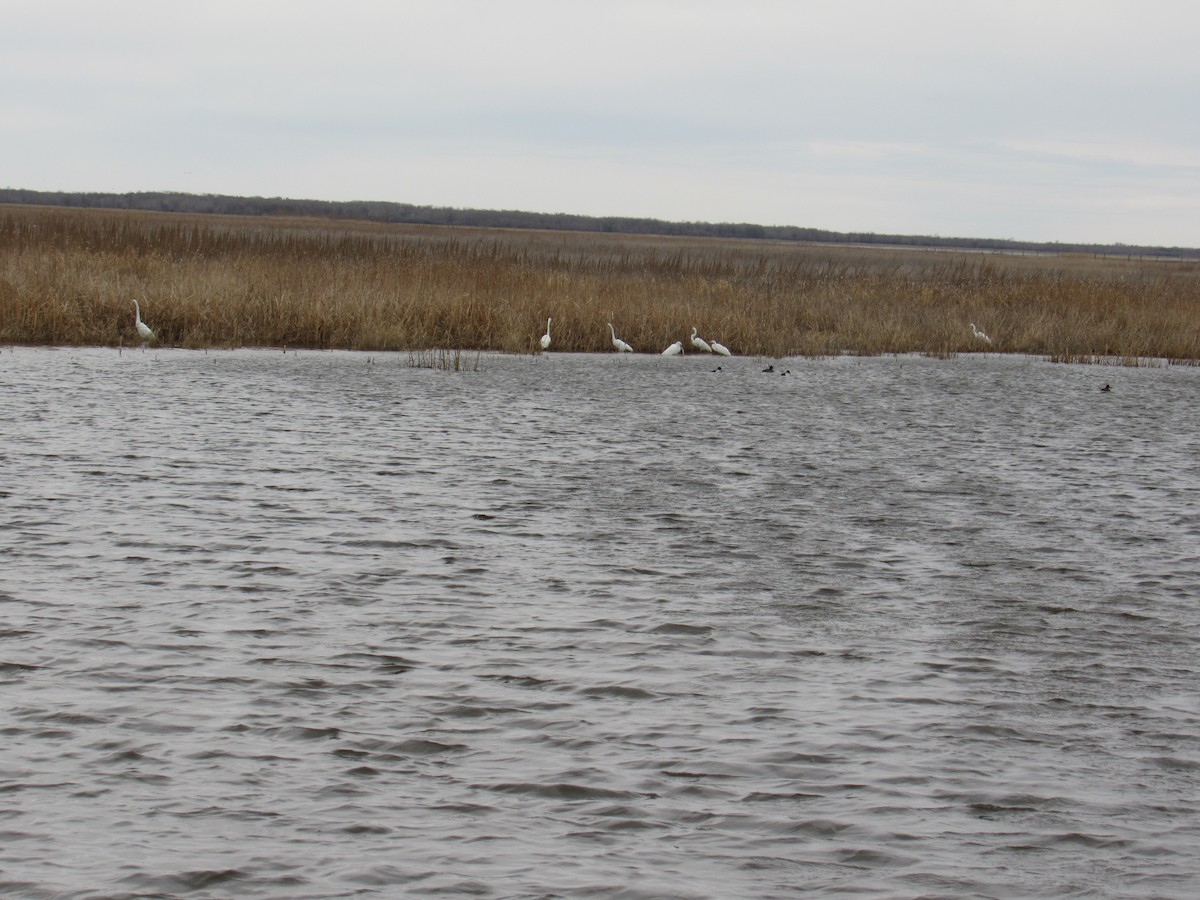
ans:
(68, 277)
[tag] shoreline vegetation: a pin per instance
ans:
(68, 276)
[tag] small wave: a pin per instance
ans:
(185, 882)
(562, 791)
(399, 749)
(682, 628)
(618, 691)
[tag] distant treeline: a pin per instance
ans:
(406, 213)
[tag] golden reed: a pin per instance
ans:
(69, 276)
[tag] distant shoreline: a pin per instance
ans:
(404, 213)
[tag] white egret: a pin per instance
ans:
(674, 350)
(700, 343)
(719, 348)
(142, 328)
(619, 345)
(979, 334)
(546, 336)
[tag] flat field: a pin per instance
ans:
(69, 276)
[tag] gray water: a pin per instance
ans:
(329, 625)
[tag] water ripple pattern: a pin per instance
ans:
(328, 625)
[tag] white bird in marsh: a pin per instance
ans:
(619, 345)
(674, 350)
(979, 334)
(719, 348)
(546, 336)
(700, 343)
(142, 328)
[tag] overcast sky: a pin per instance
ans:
(1060, 120)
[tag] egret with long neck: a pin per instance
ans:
(142, 328)
(619, 345)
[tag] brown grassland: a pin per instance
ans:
(68, 277)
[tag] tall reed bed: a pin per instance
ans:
(69, 277)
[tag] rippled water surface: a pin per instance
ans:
(328, 625)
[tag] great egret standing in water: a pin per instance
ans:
(719, 348)
(142, 328)
(674, 350)
(619, 345)
(700, 343)
(979, 334)
(546, 336)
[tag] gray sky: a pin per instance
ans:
(1069, 120)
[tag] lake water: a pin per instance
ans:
(301, 625)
